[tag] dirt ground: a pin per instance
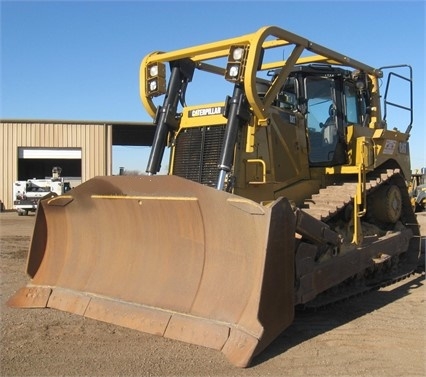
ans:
(379, 334)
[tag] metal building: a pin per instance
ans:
(31, 148)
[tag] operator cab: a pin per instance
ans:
(329, 100)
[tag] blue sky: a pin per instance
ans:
(70, 60)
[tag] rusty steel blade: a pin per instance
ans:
(169, 257)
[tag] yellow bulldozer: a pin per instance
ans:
(287, 188)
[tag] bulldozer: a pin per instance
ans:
(286, 189)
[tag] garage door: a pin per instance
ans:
(49, 153)
(39, 162)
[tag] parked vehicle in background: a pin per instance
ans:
(27, 194)
(418, 190)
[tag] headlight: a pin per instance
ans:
(153, 70)
(233, 71)
(152, 85)
(238, 53)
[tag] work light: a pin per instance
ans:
(156, 79)
(236, 63)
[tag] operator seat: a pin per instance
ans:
(329, 128)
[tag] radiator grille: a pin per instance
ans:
(197, 153)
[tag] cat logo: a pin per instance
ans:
(207, 111)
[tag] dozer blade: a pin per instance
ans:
(166, 256)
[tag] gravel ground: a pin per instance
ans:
(378, 334)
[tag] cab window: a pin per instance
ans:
(351, 101)
(321, 118)
(319, 100)
(286, 98)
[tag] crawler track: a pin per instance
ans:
(333, 205)
(333, 199)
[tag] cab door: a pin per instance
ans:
(324, 120)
